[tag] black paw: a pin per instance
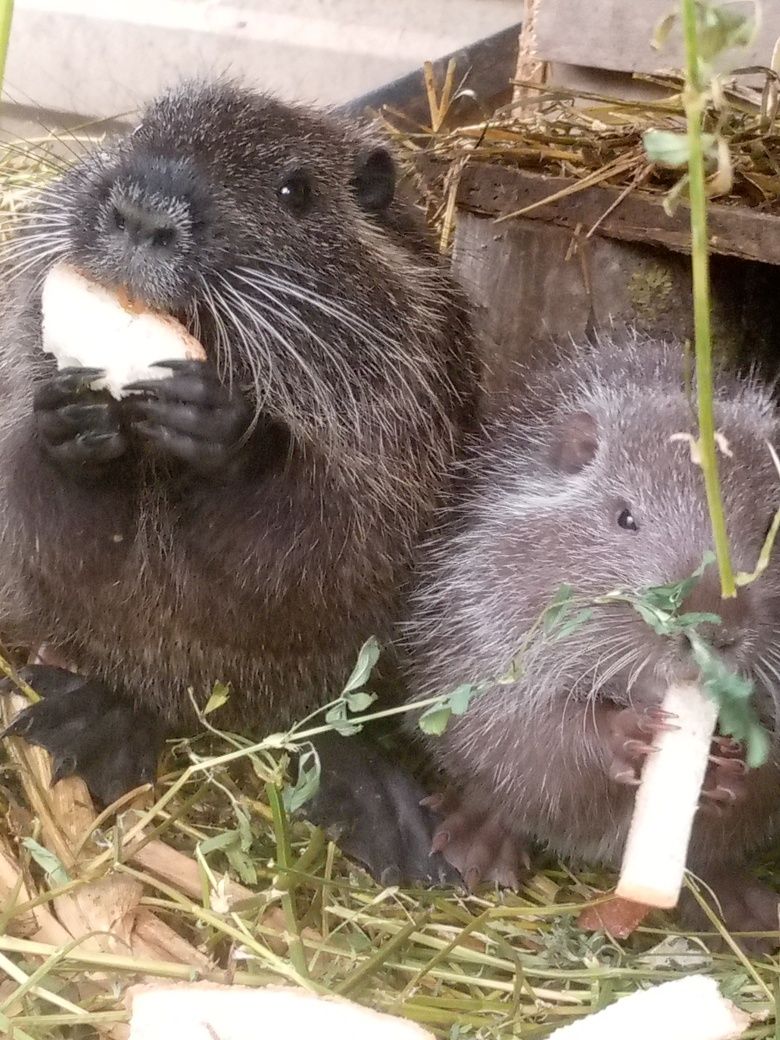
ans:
(192, 417)
(89, 731)
(79, 428)
(372, 808)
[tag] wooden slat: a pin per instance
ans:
(496, 191)
(528, 289)
(617, 34)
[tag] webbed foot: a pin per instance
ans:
(89, 731)
(373, 809)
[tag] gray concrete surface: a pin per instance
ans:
(101, 58)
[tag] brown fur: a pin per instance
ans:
(154, 582)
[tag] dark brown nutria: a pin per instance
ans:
(586, 487)
(251, 519)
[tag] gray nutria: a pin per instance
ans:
(254, 518)
(586, 487)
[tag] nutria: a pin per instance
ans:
(251, 519)
(585, 487)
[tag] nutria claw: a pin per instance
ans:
(191, 416)
(89, 731)
(628, 736)
(726, 777)
(477, 845)
(626, 733)
(80, 429)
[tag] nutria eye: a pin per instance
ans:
(296, 193)
(627, 522)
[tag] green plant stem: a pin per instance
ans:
(284, 858)
(694, 109)
(6, 16)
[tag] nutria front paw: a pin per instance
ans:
(475, 842)
(79, 429)
(192, 417)
(89, 731)
(725, 782)
(629, 737)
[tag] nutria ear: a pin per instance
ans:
(575, 442)
(374, 180)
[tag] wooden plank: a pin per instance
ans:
(533, 284)
(522, 292)
(617, 34)
(734, 230)
(607, 82)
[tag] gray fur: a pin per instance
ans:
(528, 750)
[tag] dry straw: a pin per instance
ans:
(214, 881)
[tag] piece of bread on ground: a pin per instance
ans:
(690, 1008)
(204, 1011)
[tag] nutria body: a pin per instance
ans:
(586, 488)
(253, 519)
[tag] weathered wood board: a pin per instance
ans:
(533, 285)
(540, 279)
(637, 217)
(617, 34)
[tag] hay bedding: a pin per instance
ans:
(213, 881)
(596, 140)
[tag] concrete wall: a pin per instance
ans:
(100, 58)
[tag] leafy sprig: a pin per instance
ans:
(709, 32)
(661, 607)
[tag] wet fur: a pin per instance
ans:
(530, 750)
(351, 341)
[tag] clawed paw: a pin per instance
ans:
(190, 416)
(89, 732)
(80, 429)
(630, 736)
(477, 844)
(726, 776)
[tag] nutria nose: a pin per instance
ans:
(145, 223)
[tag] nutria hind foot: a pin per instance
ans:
(373, 808)
(744, 904)
(472, 838)
(89, 731)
